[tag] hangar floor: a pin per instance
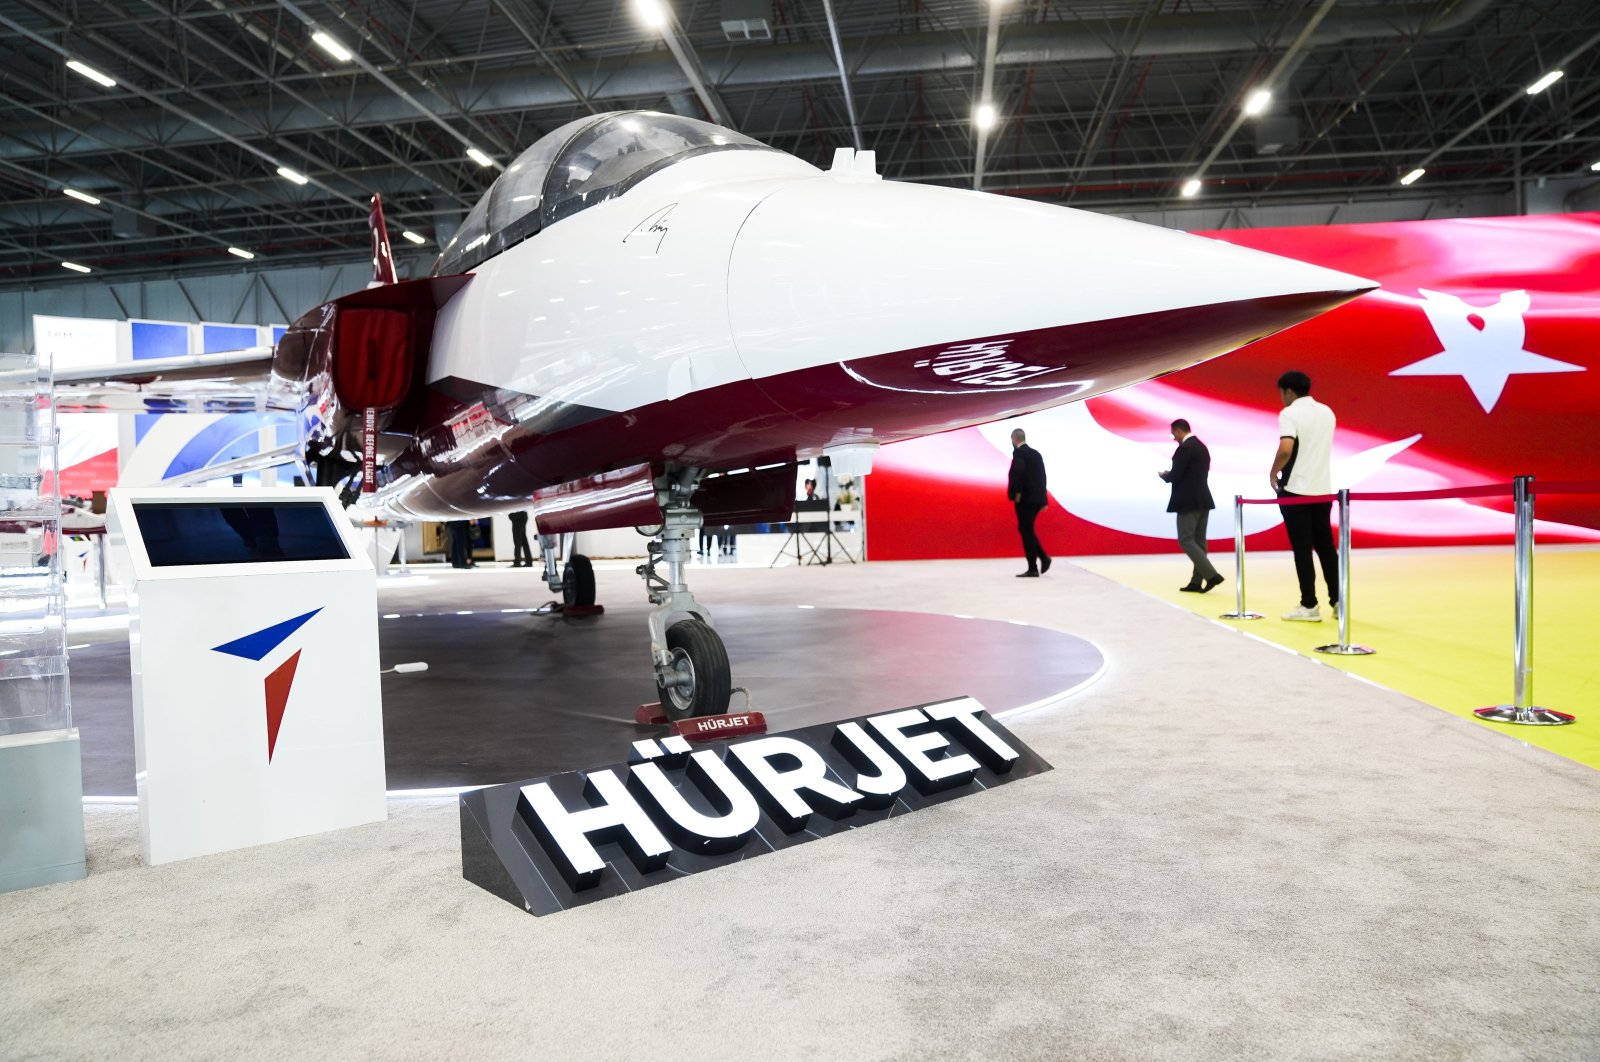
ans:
(1240, 854)
(509, 694)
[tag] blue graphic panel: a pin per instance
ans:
(153, 339)
(277, 333)
(236, 435)
(214, 339)
(157, 339)
(233, 436)
(257, 645)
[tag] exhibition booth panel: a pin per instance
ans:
(254, 651)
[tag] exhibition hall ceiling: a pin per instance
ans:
(228, 126)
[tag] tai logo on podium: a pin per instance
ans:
(281, 679)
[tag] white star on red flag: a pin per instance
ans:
(1485, 355)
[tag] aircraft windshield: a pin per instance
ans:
(576, 166)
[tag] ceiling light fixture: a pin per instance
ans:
(1595, 166)
(82, 197)
(414, 238)
(1414, 176)
(1544, 82)
(76, 268)
(652, 13)
(292, 175)
(985, 116)
(479, 157)
(332, 46)
(91, 73)
(1191, 187)
(1258, 101)
(240, 252)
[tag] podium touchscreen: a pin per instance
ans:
(248, 532)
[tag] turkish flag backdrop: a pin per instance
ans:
(1477, 360)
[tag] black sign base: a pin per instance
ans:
(675, 809)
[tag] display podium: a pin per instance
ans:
(253, 639)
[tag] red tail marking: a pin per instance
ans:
(382, 260)
(278, 684)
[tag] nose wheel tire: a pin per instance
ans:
(701, 679)
(577, 581)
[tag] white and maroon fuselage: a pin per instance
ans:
(743, 308)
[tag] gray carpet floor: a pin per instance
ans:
(1241, 854)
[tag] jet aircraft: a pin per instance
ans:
(648, 320)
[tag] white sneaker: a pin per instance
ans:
(1303, 614)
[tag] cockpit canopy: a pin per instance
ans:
(582, 163)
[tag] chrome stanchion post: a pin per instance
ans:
(100, 568)
(1522, 650)
(1239, 612)
(1524, 711)
(1343, 647)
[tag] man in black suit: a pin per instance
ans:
(1191, 500)
(1025, 488)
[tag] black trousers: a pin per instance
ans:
(1310, 531)
(1026, 515)
(459, 536)
(521, 551)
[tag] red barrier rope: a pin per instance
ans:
(1567, 486)
(1479, 490)
(1482, 490)
(1298, 499)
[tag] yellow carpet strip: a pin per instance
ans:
(1440, 620)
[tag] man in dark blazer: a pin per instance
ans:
(1191, 500)
(1025, 488)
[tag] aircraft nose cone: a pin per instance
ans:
(849, 271)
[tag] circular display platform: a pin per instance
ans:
(513, 695)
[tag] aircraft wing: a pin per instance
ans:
(235, 381)
(288, 454)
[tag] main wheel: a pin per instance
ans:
(577, 581)
(700, 663)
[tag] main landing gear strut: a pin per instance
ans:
(575, 582)
(691, 664)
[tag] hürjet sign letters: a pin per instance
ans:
(674, 810)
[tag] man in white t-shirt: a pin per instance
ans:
(1304, 466)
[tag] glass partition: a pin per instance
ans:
(33, 629)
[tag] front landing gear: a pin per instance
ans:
(691, 664)
(699, 679)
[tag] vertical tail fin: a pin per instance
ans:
(382, 260)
